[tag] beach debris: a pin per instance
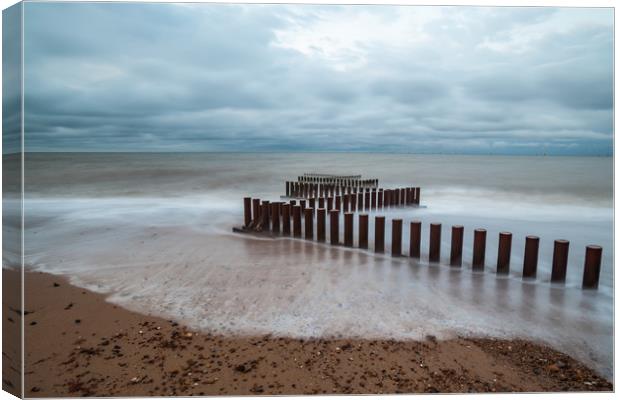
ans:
(56, 284)
(77, 321)
(247, 366)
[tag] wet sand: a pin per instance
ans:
(77, 344)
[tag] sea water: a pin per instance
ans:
(154, 231)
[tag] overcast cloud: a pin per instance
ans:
(164, 77)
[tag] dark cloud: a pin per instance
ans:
(191, 77)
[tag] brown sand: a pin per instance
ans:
(77, 344)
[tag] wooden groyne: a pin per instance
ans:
(320, 200)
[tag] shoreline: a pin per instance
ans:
(78, 344)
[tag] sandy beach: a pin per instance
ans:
(77, 344)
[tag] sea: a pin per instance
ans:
(154, 232)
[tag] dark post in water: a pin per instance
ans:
(397, 237)
(320, 224)
(434, 247)
(456, 248)
(363, 231)
(333, 227)
(309, 224)
(560, 260)
(415, 237)
(503, 253)
(348, 229)
(480, 244)
(379, 234)
(530, 258)
(592, 267)
(297, 221)
(247, 211)
(286, 219)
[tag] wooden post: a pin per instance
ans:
(417, 196)
(363, 231)
(592, 267)
(348, 229)
(247, 211)
(338, 203)
(560, 260)
(309, 224)
(302, 203)
(330, 203)
(320, 224)
(530, 258)
(321, 202)
(312, 203)
(286, 219)
(275, 217)
(503, 253)
(387, 198)
(360, 201)
(297, 221)
(402, 197)
(293, 202)
(334, 235)
(397, 237)
(379, 234)
(288, 189)
(256, 209)
(265, 214)
(456, 249)
(434, 246)
(373, 200)
(415, 237)
(353, 202)
(345, 203)
(480, 244)
(380, 199)
(367, 200)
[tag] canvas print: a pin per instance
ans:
(296, 199)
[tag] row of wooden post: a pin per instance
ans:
(339, 181)
(372, 198)
(267, 217)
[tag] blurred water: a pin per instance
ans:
(154, 231)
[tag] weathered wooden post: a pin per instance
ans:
(348, 229)
(367, 200)
(302, 203)
(288, 188)
(247, 211)
(297, 221)
(345, 203)
(266, 215)
(293, 202)
(275, 217)
(560, 260)
(309, 224)
(387, 193)
(397, 237)
(353, 202)
(503, 253)
(338, 203)
(530, 258)
(286, 219)
(415, 237)
(417, 196)
(320, 224)
(480, 245)
(402, 197)
(334, 227)
(321, 202)
(256, 209)
(360, 201)
(380, 199)
(434, 247)
(312, 203)
(330, 203)
(363, 231)
(379, 234)
(456, 248)
(592, 267)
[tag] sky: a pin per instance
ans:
(222, 77)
